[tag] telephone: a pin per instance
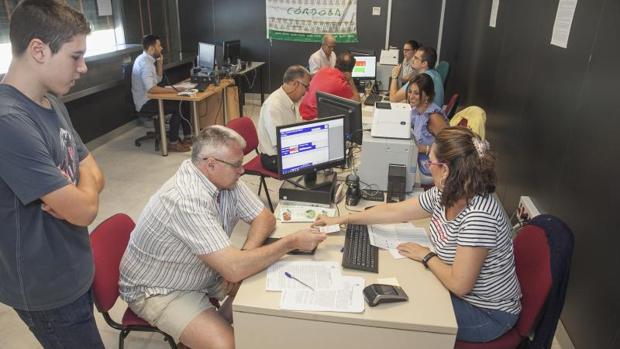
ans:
(381, 293)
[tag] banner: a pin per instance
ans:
(309, 20)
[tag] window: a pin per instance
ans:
(101, 39)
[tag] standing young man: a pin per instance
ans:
(49, 183)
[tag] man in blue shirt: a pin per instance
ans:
(49, 182)
(146, 74)
(424, 61)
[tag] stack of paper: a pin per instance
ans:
(389, 236)
(316, 286)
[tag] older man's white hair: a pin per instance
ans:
(212, 140)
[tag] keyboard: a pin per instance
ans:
(358, 253)
(372, 99)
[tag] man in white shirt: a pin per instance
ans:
(146, 73)
(325, 56)
(279, 109)
(180, 252)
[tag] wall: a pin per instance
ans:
(214, 20)
(552, 120)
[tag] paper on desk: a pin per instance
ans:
(328, 229)
(389, 236)
(318, 275)
(347, 298)
(185, 85)
(394, 252)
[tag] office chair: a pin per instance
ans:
(245, 127)
(109, 241)
(542, 251)
(453, 104)
(443, 68)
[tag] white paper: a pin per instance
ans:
(389, 57)
(318, 275)
(563, 21)
(104, 7)
(394, 252)
(493, 18)
(295, 213)
(348, 298)
(388, 281)
(185, 85)
(328, 229)
(389, 236)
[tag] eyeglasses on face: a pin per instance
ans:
(303, 84)
(236, 165)
(428, 163)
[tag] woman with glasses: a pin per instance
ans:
(472, 253)
(427, 119)
(407, 72)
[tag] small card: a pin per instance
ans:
(327, 229)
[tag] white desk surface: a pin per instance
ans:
(427, 317)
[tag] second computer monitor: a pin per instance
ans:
(232, 51)
(365, 67)
(206, 56)
(306, 147)
(331, 105)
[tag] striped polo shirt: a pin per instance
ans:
(187, 217)
(482, 223)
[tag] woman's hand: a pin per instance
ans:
(413, 250)
(325, 220)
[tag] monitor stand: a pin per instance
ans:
(321, 193)
(312, 181)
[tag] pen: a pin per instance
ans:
(288, 275)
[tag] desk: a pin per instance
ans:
(257, 67)
(425, 321)
(200, 96)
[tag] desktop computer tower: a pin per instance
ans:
(397, 181)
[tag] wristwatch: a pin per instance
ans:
(428, 258)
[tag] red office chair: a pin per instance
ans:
(452, 105)
(532, 263)
(109, 241)
(245, 127)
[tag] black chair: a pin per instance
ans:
(154, 135)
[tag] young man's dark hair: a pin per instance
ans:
(345, 62)
(50, 21)
(149, 40)
(429, 55)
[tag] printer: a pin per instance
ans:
(391, 120)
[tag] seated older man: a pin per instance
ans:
(180, 254)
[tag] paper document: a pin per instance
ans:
(389, 236)
(296, 214)
(318, 275)
(328, 229)
(347, 298)
(186, 85)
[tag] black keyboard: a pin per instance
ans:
(358, 253)
(372, 99)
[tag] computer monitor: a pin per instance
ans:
(365, 67)
(232, 51)
(307, 147)
(206, 56)
(331, 105)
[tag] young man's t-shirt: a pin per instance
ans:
(329, 80)
(45, 262)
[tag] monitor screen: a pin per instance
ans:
(310, 146)
(365, 67)
(331, 105)
(206, 56)
(232, 51)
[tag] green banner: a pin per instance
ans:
(309, 20)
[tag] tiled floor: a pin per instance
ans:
(132, 176)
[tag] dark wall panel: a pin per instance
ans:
(245, 19)
(552, 120)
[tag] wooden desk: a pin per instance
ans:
(257, 67)
(425, 321)
(200, 96)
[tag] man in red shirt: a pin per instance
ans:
(336, 81)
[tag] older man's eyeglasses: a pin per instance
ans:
(236, 165)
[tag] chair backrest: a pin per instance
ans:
(443, 68)
(245, 127)
(452, 105)
(473, 117)
(109, 241)
(533, 267)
